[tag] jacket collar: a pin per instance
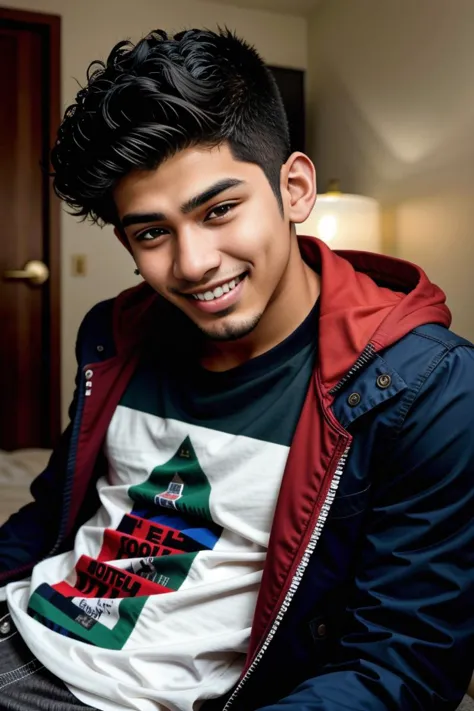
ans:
(365, 298)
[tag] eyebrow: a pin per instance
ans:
(142, 218)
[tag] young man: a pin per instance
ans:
(264, 498)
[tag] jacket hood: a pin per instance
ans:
(365, 299)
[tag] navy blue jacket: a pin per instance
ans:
(367, 597)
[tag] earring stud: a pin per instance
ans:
(136, 271)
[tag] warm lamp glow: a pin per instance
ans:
(327, 227)
(345, 222)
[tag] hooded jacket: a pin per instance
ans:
(367, 595)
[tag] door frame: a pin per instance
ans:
(49, 26)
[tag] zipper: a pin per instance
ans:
(298, 576)
(365, 357)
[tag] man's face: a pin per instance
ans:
(207, 233)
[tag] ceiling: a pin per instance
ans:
(289, 7)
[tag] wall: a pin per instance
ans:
(392, 93)
(89, 30)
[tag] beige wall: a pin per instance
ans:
(392, 91)
(89, 30)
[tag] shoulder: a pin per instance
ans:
(430, 364)
(103, 312)
(132, 319)
(95, 334)
(100, 315)
(428, 354)
(436, 369)
(429, 338)
(113, 323)
(97, 320)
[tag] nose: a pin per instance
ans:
(195, 255)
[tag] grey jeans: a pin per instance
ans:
(25, 684)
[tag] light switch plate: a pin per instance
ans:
(79, 265)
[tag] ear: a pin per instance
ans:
(298, 187)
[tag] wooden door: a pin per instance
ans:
(29, 313)
(290, 83)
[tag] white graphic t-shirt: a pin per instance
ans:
(153, 607)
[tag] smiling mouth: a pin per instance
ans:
(219, 291)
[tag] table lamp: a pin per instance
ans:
(344, 221)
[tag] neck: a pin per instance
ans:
(290, 305)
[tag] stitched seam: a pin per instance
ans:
(33, 671)
(446, 344)
(413, 394)
(378, 363)
(422, 380)
(370, 404)
(450, 345)
(17, 675)
(14, 671)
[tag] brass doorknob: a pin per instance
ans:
(35, 272)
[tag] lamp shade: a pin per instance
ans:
(344, 221)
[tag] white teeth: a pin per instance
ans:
(218, 291)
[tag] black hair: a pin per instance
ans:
(166, 93)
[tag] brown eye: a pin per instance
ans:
(219, 211)
(150, 234)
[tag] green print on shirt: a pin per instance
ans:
(88, 629)
(180, 485)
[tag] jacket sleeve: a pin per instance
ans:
(29, 535)
(407, 640)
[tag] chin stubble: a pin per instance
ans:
(231, 332)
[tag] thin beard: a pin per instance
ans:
(233, 334)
